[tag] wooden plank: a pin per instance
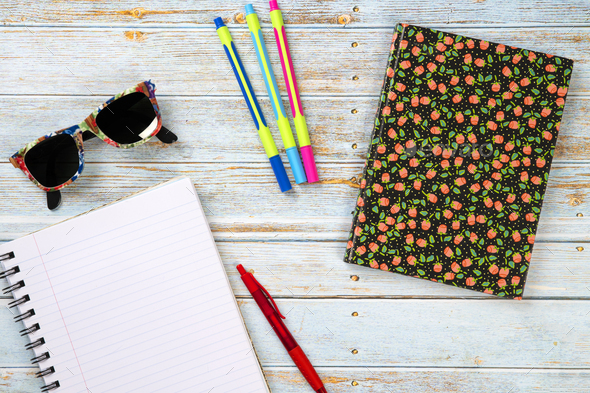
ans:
(441, 333)
(575, 230)
(204, 128)
(205, 132)
(316, 270)
(22, 206)
(558, 270)
(19, 380)
(369, 380)
(407, 333)
(309, 270)
(331, 12)
(192, 62)
(429, 380)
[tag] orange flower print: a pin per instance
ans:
(448, 252)
(467, 129)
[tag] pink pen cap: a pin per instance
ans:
(309, 164)
(294, 99)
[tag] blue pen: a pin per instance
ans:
(274, 95)
(263, 130)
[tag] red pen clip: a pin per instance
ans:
(268, 295)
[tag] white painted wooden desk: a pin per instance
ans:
(60, 59)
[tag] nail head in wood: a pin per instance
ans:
(344, 19)
(241, 18)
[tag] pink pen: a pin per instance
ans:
(298, 117)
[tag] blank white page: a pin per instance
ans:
(133, 297)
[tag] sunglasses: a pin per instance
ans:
(129, 119)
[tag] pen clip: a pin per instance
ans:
(268, 295)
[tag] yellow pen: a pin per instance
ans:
(274, 95)
(263, 130)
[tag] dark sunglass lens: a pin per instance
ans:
(53, 161)
(128, 119)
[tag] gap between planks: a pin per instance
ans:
(272, 367)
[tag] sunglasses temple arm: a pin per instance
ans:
(53, 200)
(166, 136)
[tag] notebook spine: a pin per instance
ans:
(378, 128)
(20, 304)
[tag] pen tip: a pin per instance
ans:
(249, 9)
(241, 269)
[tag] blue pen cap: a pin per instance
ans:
(249, 9)
(296, 166)
(218, 22)
(280, 173)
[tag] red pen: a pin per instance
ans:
(273, 315)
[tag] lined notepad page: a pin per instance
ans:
(133, 297)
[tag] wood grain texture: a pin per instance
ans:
(406, 333)
(327, 12)
(19, 380)
(337, 134)
(314, 269)
(245, 228)
(245, 185)
(382, 379)
(191, 62)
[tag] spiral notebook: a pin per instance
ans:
(131, 297)
(459, 160)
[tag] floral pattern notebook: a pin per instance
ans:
(459, 161)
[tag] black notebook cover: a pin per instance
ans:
(459, 161)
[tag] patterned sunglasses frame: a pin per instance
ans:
(88, 129)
